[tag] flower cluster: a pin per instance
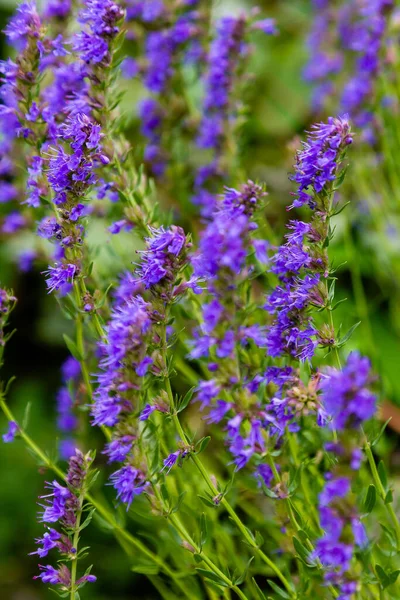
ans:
(346, 397)
(64, 505)
(366, 43)
(99, 19)
(324, 59)
(132, 350)
(226, 55)
(301, 263)
(351, 32)
(124, 361)
(225, 261)
(163, 259)
(318, 160)
(170, 37)
(70, 176)
(347, 403)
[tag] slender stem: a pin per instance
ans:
(381, 490)
(75, 543)
(304, 487)
(358, 289)
(232, 513)
(294, 520)
(80, 344)
(180, 528)
(331, 323)
(100, 508)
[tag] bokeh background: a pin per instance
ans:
(278, 103)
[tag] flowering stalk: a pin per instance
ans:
(101, 510)
(65, 506)
(219, 497)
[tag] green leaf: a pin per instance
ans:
(378, 437)
(72, 347)
(27, 412)
(370, 499)
(243, 576)
(202, 444)
(104, 297)
(203, 530)
(146, 569)
(259, 539)
(104, 525)
(207, 501)
(340, 178)
(303, 535)
(164, 493)
(382, 473)
(88, 519)
(186, 399)
(389, 497)
(393, 576)
(295, 480)
(260, 593)
(212, 576)
(390, 535)
(347, 335)
(300, 549)
(383, 576)
(278, 590)
(339, 210)
(331, 293)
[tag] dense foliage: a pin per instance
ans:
(217, 414)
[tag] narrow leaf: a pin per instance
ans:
(370, 499)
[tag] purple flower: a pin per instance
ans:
(336, 488)
(48, 228)
(25, 260)
(71, 369)
(48, 542)
(118, 449)
(60, 277)
(267, 26)
(55, 509)
(170, 461)
(67, 448)
(163, 256)
(66, 420)
(264, 473)
(317, 161)
(122, 353)
(12, 431)
(128, 482)
(49, 575)
(118, 226)
(146, 412)
(99, 19)
(13, 222)
(24, 24)
(8, 192)
(345, 394)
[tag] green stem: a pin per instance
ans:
(75, 543)
(335, 349)
(100, 508)
(304, 487)
(213, 567)
(358, 289)
(382, 491)
(294, 520)
(80, 344)
(235, 518)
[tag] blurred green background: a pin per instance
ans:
(278, 111)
